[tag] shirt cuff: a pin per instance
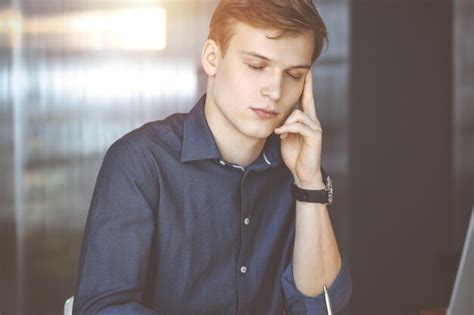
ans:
(298, 303)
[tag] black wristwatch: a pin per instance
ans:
(324, 196)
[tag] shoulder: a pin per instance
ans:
(143, 152)
(154, 137)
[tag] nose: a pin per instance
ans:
(273, 87)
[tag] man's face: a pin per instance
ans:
(260, 73)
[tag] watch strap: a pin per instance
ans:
(323, 196)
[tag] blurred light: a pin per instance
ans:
(11, 22)
(118, 80)
(139, 28)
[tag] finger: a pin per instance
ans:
(298, 115)
(298, 128)
(307, 98)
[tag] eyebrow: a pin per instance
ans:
(254, 54)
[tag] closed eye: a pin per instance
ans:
(256, 67)
(296, 77)
(293, 76)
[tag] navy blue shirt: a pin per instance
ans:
(173, 228)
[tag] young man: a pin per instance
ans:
(196, 214)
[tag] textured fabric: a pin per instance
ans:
(174, 229)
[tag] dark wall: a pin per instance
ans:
(400, 154)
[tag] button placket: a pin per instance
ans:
(243, 281)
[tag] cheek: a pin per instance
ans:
(293, 92)
(298, 87)
(235, 80)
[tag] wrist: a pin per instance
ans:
(316, 183)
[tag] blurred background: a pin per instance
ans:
(395, 94)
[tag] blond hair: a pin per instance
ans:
(289, 17)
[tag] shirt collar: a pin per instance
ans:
(199, 143)
(272, 149)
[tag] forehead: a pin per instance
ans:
(286, 49)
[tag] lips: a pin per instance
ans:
(264, 113)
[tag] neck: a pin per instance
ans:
(234, 146)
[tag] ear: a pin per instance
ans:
(209, 57)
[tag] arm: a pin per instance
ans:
(316, 257)
(316, 262)
(314, 235)
(116, 246)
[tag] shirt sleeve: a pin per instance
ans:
(298, 303)
(113, 265)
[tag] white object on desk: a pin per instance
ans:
(328, 301)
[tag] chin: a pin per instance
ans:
(258, 133)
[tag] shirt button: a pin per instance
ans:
(246, 221)
(243, 269)
(222, 162)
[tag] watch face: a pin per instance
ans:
(329, 189)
